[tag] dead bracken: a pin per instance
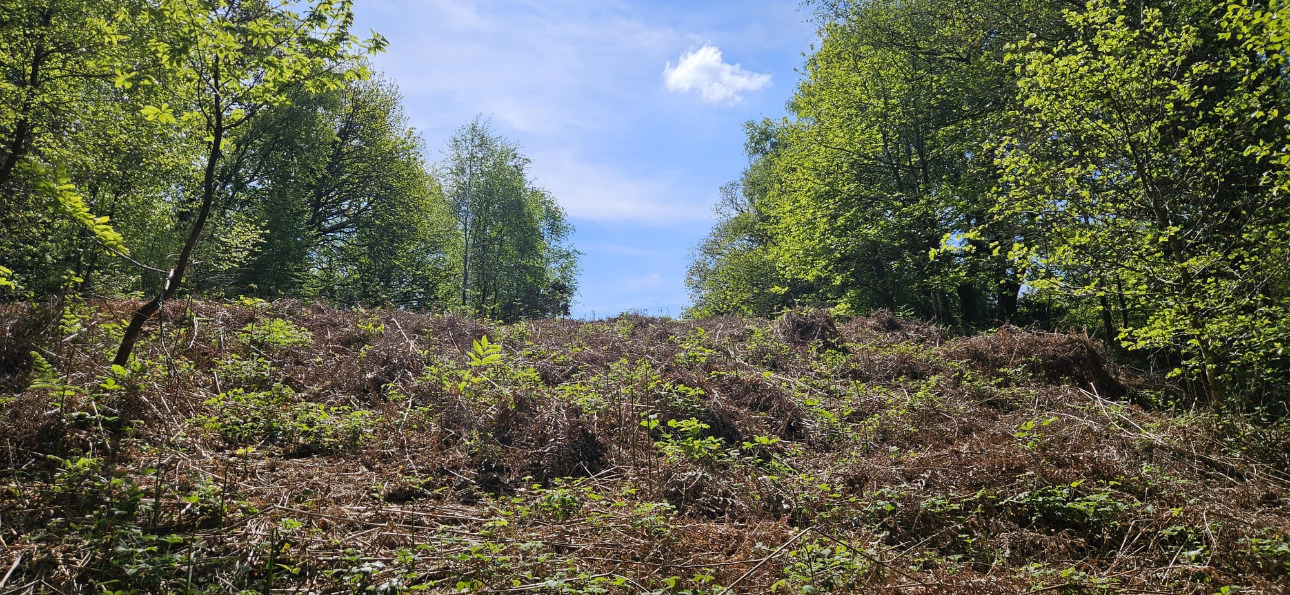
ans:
(294, 447)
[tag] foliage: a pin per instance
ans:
(883, 159)
(1128, 173)
(1119, 166)
(221, 65)
(338, 179)
(274, 333)
(236, 148)
(57, 60)
(685, 439)
(732, 271)
(514, 262)
(242, 418)
(898, 456)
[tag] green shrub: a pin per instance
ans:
(244, 418)
(274, 333)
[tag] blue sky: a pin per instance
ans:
(631, 111)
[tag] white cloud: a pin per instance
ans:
(576, 85)
(717, 82)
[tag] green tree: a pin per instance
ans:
(46, 46)
(338, 181)
(220, 65)
(733, 271)
(515, 258)
(1134, 163)
(885, 158)
(1262, 29)
(55, 57)
(125, 167)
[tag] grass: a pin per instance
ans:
(284, 447)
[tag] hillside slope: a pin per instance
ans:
(295, 448)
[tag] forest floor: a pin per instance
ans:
(297, 448)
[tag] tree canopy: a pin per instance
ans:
(248, 148)
(1119, 166)
(515, 261)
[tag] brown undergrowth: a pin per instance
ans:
(289, 447)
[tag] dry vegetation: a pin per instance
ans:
(296, 448)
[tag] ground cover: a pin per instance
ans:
(286, 447)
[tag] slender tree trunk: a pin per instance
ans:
(177, 274)
(967, 302)
(940, 313)
(1008, 291)
(17, 147)
(1108, 326)
(465, 264)
(1217, 390)
(18, 143)
(465, 225)
(1124, 307)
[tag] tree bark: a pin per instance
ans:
(17, 145)
(1108, 326)
(940, 312)
(1008, 291)
(176, 275)
(967, 302)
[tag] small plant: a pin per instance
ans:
(254, 372)
(581, 395)
(1272, 547)
(369, 325)
(1065, 506)
(684, 398)
(1033, 434)
(48, 379)
(560, 503)
(693, 352)
(816, 568)
(687, 441)
(484, 353)
(246, 418)
(274, 333)
(654, 518)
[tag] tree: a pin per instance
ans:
(515, 261)
(885, 158)
(733, 271)
(46, 46)
(338, 181)
(1134, 163)
(222, 64)
(54, 58)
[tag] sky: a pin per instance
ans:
(631, 112)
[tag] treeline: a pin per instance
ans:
(246, 147)
(1117, 166)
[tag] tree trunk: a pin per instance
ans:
(939, 313)
(1214, 382)
(466, 227)
(1108, 326)
(967, 302)
(1124, 308)
(1008, 292)
(17, 145)
(176, 275)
